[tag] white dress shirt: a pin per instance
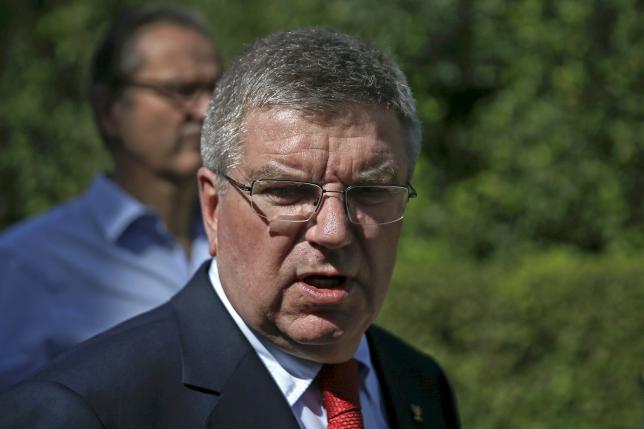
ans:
(295, 377)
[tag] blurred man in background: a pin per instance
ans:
(136, 236)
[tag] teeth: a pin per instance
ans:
(324, 282)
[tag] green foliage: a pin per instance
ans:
(532, 143)
(557, 142)
(550, 340)
(48, 148)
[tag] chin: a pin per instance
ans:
(189, 163)
(319, 331)
(335, 351)
(186, 169)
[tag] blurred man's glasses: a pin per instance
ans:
(293, 201)
(183, 93)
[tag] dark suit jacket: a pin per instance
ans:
(187, 365)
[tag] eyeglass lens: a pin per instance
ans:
(298, 202)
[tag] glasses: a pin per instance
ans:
(293, 201)
(182, 93)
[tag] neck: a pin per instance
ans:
(172, 198)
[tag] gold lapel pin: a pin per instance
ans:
(416, 413)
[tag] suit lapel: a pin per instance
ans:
(217, 358)
(416, 393)
(251, 399)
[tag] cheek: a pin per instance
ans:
(163, 125)
(236, 236)
(381, 249)
(254, 261)
(239, 257)
(381, 246)
(157, 120)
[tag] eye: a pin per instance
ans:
(280, 193)
(370, 195)
(186, 89)
(190, 89)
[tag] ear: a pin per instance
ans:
(104, 105)
(209, 198)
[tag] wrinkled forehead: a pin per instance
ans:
(274, 122)
(360, 139)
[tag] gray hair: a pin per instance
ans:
(314, 71)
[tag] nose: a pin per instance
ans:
(330, 227)
(198, 106)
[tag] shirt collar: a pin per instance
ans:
(293, 375)
(112, 207)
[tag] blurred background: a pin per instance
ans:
(522, 264)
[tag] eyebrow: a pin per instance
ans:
(268, 171)
(380, 174)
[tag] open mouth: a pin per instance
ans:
(321, 291)
(325, 282)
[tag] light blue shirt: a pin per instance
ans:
(81, 268)
(295, 377)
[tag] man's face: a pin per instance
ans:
(154, 132)
(311, 288)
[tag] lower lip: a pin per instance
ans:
(322, 296)
(191, 133)
(189, 142)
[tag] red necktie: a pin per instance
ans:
(340, 388)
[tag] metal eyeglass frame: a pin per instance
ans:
(411, 193)
(172, 90)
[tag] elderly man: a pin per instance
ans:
(309, 147)
(136, 236)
